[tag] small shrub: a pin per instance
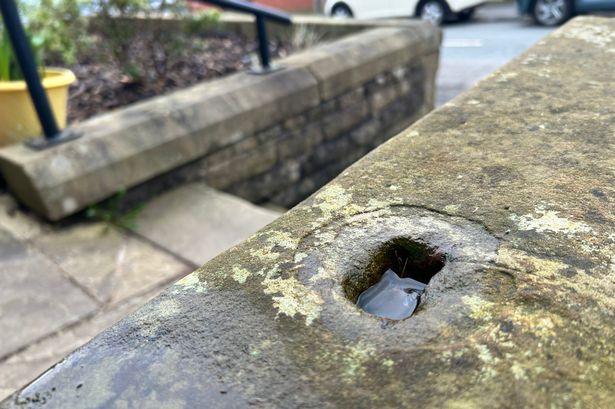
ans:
(140, 48)
(58, 27)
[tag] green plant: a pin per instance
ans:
(113, 213)
(54, 28)
(58, 26)
(145, 38)
(9, 68)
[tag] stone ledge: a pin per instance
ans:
(129, 146)
(513, 180)
(344, 64)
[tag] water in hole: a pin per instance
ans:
(392, 297)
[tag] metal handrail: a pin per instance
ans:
(261, 13)
(25, 59)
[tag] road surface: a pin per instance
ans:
(472, 50)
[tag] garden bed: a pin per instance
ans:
(102, 86)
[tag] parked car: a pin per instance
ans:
(435, 11)
(555, 12)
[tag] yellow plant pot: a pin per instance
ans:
(18, 119)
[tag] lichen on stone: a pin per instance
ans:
(240, 274)
(294, 298)
(549, 221)
(192, 282)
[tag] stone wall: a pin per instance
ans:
(288, 161)
(275, 137)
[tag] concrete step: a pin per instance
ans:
(197, 223)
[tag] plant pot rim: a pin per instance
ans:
(52, 78)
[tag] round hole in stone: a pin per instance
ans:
(407, 258)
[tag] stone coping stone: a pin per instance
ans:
(513, 181)
(129, 146)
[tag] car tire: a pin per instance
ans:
(551, 12)
(466, 15)
(341, 11)
(433, 11)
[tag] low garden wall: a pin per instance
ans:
(505, 194)
(275, 137)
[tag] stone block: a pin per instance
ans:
(299, 142)
(241, 167)
(128, 146)
(261, 188)
(367, 132)
(338, 122)
(223, 221)
(32, 283)
(109, 264)
(352, 61)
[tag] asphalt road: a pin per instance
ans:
(472, 50)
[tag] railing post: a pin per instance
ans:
(263, 43)
(262, 14)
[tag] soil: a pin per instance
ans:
(102, 86)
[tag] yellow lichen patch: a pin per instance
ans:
(283, 239)
(521, 261)
(191, 281)
(547, 274)
(596, 34)
(518, 371)
(240, 274)
(168, 308)
(549, 221)
(335, 200)
(354, 360)
(479, 308)
(323, 273)
(265, 254)
(295, 298)
(489, 361)
(299, 257)
(351, 360)
(388, 363)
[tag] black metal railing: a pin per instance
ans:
(25, 59)
(262, 14)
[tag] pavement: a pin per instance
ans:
(62, 284)
(474, 49)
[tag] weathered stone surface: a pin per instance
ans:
(514, 181)
(110, 264)
(349, 62)
(198, 223)
(20, 368)
(32, 283)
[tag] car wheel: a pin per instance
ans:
(551, 12)
(466, 15)
(341, 11)
(433, 11)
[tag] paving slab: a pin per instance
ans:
(25, 365)
(110, 264)
(198, 223)
(22, 224)
(36, 299)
